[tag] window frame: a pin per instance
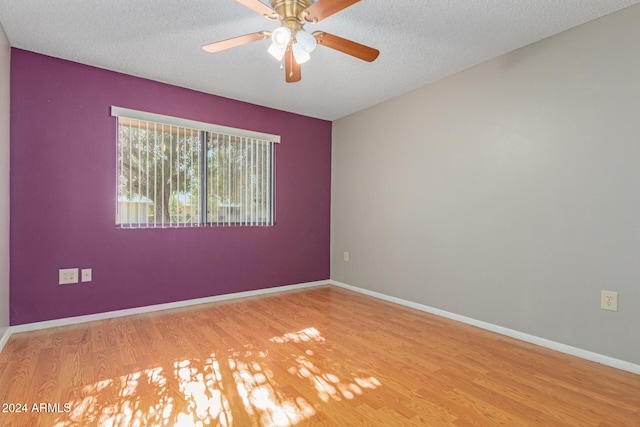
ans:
(204, 131)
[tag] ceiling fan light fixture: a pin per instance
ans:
(281, 36)
(277, 51)
(306, 41)
(299, 54)
(291, 44)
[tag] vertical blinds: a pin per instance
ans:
(190, 174)
(239, 182)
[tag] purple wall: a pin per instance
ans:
(63, 198)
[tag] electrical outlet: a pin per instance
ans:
(345, 256)
(67, 275)
(609, 300)
(86, 274)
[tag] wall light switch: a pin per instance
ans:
(86, 274)
(345, 256)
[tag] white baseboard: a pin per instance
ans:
(149, 308)
(5, 337)
(543, 342)
(567, 349)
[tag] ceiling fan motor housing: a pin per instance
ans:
(290, 13)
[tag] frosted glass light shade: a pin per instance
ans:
(277, 51)
(300, 55)
(306, 41)
(281, 36)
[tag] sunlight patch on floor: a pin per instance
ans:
(304, 335)
(205, 402)
(262, 400)
(329, 385)
(199, 393)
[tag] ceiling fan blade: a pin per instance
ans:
(236, 41)
(291, 67)
(260, 8)
(349, 47)
(325, 8)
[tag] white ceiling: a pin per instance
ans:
(420, 41)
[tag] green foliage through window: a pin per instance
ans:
(178, 176)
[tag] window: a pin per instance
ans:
(173, 172)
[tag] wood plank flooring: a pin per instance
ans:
(323, 356)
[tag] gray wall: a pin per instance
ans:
(5, 56)
(508, 193)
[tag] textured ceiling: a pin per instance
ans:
(420, 41)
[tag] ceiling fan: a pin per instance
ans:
(290, 42)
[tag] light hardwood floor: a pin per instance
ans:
(322, 356)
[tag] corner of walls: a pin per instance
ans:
(5, 70)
